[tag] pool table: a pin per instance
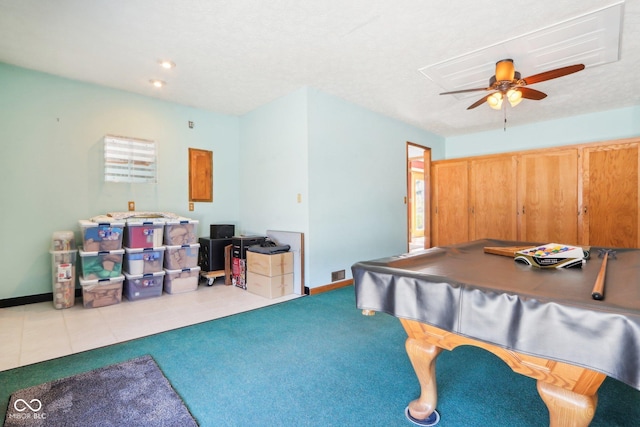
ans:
(543, 323)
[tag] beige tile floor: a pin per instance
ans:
(37, 332)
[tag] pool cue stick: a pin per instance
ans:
(598, 289)
(504, 250)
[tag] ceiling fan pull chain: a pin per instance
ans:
(504, 104)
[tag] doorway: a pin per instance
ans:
(418, 197)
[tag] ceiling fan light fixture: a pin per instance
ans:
(514, 96)
(495, 100)
(505, 71)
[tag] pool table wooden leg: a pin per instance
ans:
(423, 358)
(567, 408)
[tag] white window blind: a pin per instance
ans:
(129, 160)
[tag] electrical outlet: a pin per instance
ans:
(191, 208)
(132, 206)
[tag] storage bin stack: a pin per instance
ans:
(181, 259)
(143, 258)
(63, 264)
(101, 260)
(270, 276)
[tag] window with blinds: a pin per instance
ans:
(129, 160)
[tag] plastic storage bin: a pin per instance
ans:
(143, 261)
(179, 257)
(144, 233)
(101, 265)
(63, 269)
(101, 236)
(100, 293)
(178, 281)
(140, 286)
(181, 231)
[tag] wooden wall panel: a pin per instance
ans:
(584, 194)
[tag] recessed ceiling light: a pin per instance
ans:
(157, 83)
(167, 64)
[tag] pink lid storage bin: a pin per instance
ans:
(144, 233)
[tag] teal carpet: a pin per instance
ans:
(316, 361)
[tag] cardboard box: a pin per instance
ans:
(552, 255)
(270, 265)
(270, 286)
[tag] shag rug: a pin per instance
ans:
(131, 393)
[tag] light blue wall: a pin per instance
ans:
(51, 132)
(608, 125)
(348, 165)
(273, 167)
(357, 184)
(346, 162)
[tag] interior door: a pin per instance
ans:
(548, 197)
(492, 198)
(610, 196)
(418, 197)
(450, 202)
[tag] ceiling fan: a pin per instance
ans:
(507, 84)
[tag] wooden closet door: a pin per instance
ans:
(548, 197)
(610, 196)
(493, 198)
(449, 203)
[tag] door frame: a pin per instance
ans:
(426, 158)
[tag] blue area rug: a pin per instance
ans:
(132, 393)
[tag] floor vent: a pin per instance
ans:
(337, 275)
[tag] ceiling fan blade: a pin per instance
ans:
(529, 93)
(553, 74)
(479, 102)
(465, 90)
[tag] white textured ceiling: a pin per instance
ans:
(234, 56)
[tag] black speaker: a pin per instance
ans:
(221, 231)
(240, 245)
(211, 255)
